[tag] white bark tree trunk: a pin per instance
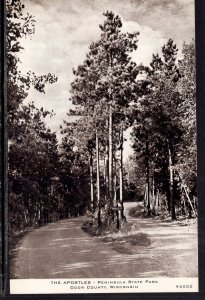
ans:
(98, 170)
(110, 158)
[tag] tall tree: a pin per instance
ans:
(160, 104)
(187, 89)
(105, 83)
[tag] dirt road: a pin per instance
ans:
(63, 250)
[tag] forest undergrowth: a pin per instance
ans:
(126, 240)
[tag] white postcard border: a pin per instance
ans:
(103, 285)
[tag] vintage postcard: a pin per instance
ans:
(102, 193)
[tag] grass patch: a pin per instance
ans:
(137, 211)
(135, 239)
(130, 242)
(15, 241)
(139, 239)
(124, 241)
(127, 243)
(121, 248)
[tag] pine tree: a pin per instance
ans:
(160, 105)
(105, 84)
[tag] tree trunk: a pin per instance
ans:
(190, 204)
(171, 186)
(40, 214)
(184, 210)
(107, 167)
(98, 180)
(153, 192)
(195, 204)
(110, 158)
(121, 173)
(147, 174)
(145, 198)
(91, 183)
(98, 170)
(157, 202)
(105, 179)
(168, 198)
(115, 183)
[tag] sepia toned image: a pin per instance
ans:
(101, 146)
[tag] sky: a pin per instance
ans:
(66, 28)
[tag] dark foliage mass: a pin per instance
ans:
(33, 155)
(111, 93)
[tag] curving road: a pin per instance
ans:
(63, 250)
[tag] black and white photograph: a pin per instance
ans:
(102, 153)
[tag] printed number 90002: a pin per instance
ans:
(185, 286)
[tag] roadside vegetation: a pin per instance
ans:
(125, 241)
